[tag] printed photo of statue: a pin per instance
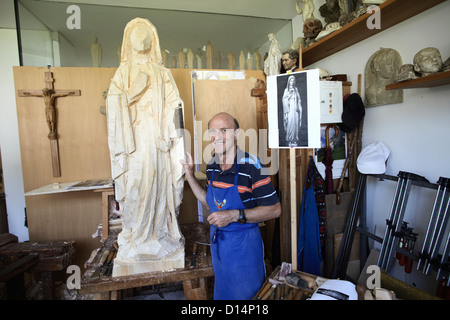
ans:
(292, 117)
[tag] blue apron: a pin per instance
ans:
(309, 253)
(237, 249)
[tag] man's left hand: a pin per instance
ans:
(223, 218)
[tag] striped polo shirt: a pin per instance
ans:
(255, 189)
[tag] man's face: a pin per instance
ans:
(288, 63)
(222, 134)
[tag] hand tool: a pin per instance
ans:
(194, 256)
(110, 266)
(96, 273)
(108, 263)
(264, 290)
(269, 292)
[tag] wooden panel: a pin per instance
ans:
(83, 147)
(67, 216)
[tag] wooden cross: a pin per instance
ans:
(50, 94)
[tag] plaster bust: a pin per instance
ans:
(381, 70)
(427, 61)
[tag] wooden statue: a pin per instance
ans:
(242, 60)
(249, 61)
(181, 59)
(209, 55)
(50, 95)
(190, 59)
(96, 53)
(231, 60)
(258, 60)
(144, 109)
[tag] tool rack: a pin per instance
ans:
(428, 258)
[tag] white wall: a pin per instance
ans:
(415, 131)
(9, 135)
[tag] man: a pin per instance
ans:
(239, 197)
(289, 60)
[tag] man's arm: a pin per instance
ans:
(196, 187)
(255, 215)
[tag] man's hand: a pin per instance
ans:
(223, 218)
(188, 164)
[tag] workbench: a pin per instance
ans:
(44, 258)
(193, 279)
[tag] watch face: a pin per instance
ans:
(242, 218)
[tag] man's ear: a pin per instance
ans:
(236, 133)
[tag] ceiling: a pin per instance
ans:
(230, 25)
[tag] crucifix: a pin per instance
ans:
(50, 94)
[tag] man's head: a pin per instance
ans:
(290, 59)
(223, 133)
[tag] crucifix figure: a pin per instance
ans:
(50, 94)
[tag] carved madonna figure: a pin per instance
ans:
(145, 149)
(381, 70)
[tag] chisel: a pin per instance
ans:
(194, 256)
(107, 264)
(96, 273)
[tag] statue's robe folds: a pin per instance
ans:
(143, 106)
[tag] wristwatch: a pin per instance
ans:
(242, 219)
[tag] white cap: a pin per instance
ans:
(372, 159)
(335, 290)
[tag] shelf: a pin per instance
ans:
(434, 80)
(392, 12)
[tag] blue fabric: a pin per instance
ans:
(309, 251)
(237, 249)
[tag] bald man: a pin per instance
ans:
(239, 196)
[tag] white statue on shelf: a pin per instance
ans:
(272, 64)
(96, 53)
(307, 11)
(143, 111)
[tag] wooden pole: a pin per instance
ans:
(293, 209)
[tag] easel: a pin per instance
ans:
(293, 191)
(50, 94)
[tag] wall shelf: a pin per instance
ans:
(392, 12)
(433, 80)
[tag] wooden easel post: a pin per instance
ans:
(292, 175)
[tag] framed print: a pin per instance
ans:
(293, 107)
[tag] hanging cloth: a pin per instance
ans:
(309, 255)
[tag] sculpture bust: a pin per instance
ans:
(381, 70)
(427, 61)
